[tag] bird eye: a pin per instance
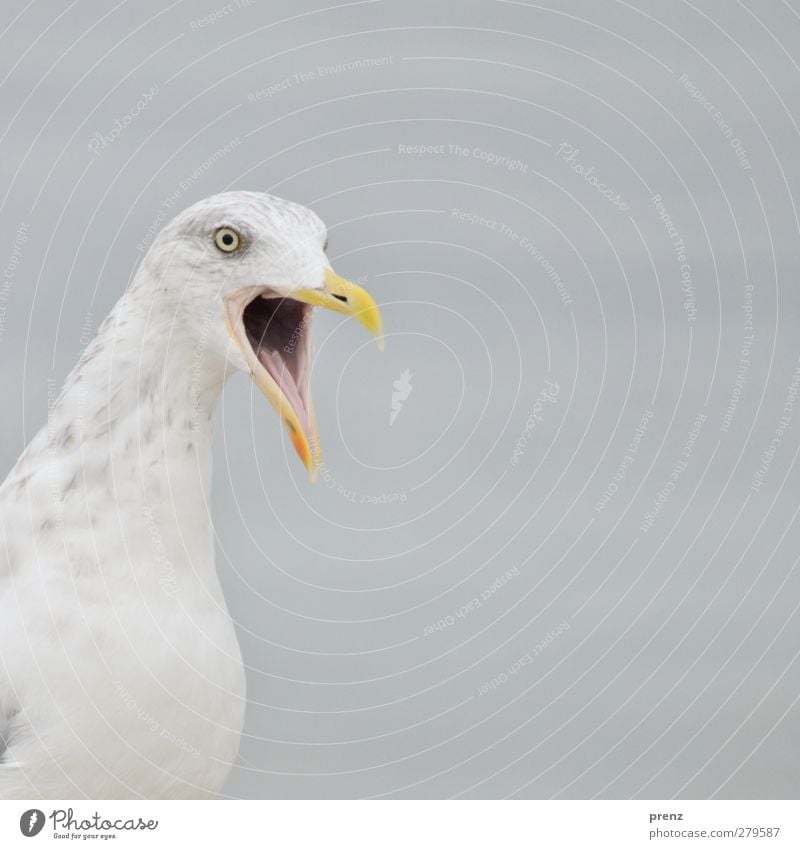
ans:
(227, 240)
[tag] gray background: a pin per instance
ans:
(678, 673)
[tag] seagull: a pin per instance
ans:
(120, 672)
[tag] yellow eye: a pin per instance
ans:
(227, 240)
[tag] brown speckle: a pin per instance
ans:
(70, 486)
(66, 438)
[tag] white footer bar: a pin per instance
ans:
(404, 824)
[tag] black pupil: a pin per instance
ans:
(227, 239)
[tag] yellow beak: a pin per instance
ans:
(280, 366)
(343, 296)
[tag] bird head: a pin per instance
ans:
(263, 262)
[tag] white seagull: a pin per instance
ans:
(120, 672)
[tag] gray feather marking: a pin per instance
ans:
(5, 734)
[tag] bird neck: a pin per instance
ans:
(132, 429)
(148, 371)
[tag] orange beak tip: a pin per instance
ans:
(309, 454)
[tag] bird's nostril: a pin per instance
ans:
(341, 297)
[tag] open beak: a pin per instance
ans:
(273, 333)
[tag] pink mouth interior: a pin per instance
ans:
(278, 330)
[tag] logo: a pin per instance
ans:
(402, 389)
(31, 822)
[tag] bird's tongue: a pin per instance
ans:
(275, 364)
